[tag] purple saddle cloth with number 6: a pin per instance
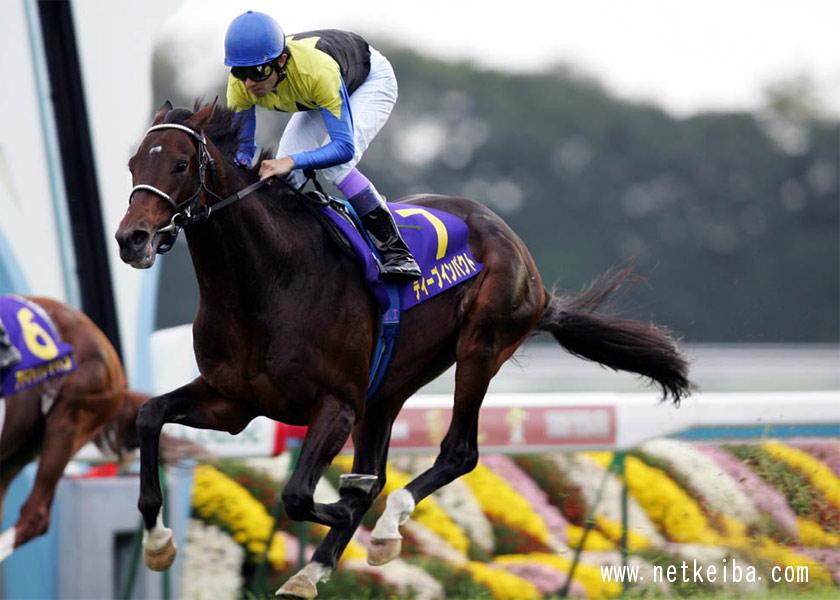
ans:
(43, 354)
(438, 241)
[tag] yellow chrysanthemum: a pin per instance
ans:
(501, 502)
(503, 585)
(666, 503)
(815, 536)
(817, 472)
(595, 541)
(782, 556)
(612, 530)
(354, 551)
(589, 576)
(217, 496)
(277, 552)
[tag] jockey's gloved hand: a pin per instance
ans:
(242, 160)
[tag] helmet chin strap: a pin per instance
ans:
(281, 71)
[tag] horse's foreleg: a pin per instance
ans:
(370, 440)
(328, 430)
(193, 405)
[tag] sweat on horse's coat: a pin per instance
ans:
(285, 328)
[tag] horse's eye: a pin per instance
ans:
(181, 166)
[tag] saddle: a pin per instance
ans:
(438, 241)
(40, 353)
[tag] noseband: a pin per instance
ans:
(191, 211)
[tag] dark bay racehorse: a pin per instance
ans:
(285, 328)
(89, 404)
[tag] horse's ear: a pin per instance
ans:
(200, 118)
(161, 113)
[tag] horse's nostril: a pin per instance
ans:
(138, 238)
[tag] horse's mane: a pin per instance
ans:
(223, 129)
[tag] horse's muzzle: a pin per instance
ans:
(135, 247)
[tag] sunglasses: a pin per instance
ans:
(255, 73)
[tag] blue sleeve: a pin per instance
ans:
(341, 146)
(247, 146)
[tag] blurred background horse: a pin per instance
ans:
(51, 421)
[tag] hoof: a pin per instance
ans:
(299, 586)
(383, 551)
(160, 560)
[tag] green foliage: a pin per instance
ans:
(797, 490)
(513, 541)
(342, 585)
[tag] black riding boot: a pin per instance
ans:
(9, 355)
(398, 264)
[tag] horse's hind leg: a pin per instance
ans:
(506, 309)
(370, 440)
(193, 405)
(458, 455)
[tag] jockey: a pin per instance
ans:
(9, 355)
(342, 92)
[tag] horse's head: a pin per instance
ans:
(168, 173)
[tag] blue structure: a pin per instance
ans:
(87, 552)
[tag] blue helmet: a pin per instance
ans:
(253, 38)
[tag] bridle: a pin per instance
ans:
(191, 211)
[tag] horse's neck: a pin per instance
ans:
(240, 252)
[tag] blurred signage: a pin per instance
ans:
(513, 428)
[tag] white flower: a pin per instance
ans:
(212, 564)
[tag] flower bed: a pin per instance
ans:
(765, 505)
(509, 511)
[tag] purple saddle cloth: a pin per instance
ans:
(43, 354)
(438, 241)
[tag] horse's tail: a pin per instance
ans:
(619, 344)
(119, 435)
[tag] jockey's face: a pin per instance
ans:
(261, 88)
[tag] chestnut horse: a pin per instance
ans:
(285, 328)
(88, 404)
